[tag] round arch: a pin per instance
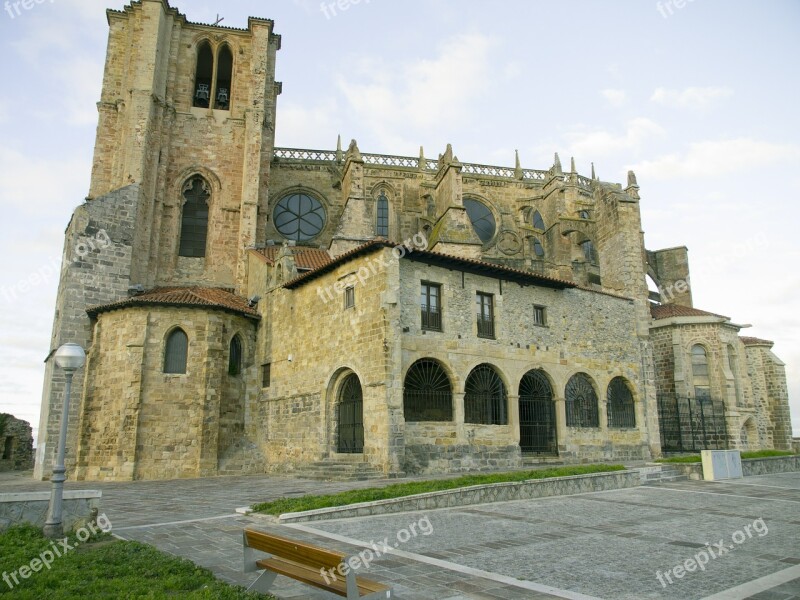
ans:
(427, 391)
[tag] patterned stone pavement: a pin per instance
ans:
(598, 545)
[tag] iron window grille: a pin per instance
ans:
(427, 393)
(621, 408)
(581, 402)
(537, 415)
(431, 306)
(350, 416)
(485, 313)
(485, 397)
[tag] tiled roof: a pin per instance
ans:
(305, 259)
(198, 297)
(666, 311)
(477, 266)
(753, 341)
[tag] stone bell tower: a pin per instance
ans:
(185, 136)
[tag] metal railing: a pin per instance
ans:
(431, 318)
(427, 406)
(485, 328)
(692, 424)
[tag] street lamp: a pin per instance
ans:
(69, 358)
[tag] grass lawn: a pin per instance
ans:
(105, 567)
(695, 458)
(398, 490)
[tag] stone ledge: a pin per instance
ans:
(79, 507)
(750, 466)
(476, 494)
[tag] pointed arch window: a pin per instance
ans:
(175, 352)
(538, 221)
(222, 90)
(194, 220)
(235, 356)
(382, 211)
(482, 219)
(202, 77)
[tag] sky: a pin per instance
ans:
(699, 97)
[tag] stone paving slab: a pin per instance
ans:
(595, 545)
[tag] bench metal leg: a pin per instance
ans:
(263, 583)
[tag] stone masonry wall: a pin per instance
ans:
(16, 444)
(95, 269)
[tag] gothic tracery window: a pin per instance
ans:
(194, 219)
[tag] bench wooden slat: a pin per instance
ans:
(293, 550)
(315, 578)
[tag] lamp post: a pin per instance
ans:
(69, 358)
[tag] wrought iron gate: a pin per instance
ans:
(691, 424)
(350, 411)
(537, 415)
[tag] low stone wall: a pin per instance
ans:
(80, 506)
(750, 466)
(477, 494)
(772, 464)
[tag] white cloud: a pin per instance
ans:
(396, 100)
(595, 144)
(615, 98)
(690, 97)
(716, 158)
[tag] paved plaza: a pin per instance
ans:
(609, 545)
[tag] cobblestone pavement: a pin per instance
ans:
(607, 545)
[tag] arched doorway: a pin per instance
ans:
(350, 416)
(537, 415)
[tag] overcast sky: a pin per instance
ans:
(701, 101)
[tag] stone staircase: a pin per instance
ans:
(660, 473)
(331, 469)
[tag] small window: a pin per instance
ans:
(538, 249)
(431, 306)
(266, 374)
(538, 222)
(484, 304)
(539, 315)
(584, 214)
(235, 357)
(700, 378)
(589, 252)
(175, 352)
(382, 224)
(349, 297)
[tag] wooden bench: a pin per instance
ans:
(310, 564)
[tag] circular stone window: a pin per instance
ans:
(482, 219)
(299, 217)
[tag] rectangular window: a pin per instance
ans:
(349, 297)
(266, 375)
(431, 305)
(484, 304)
(539, 316)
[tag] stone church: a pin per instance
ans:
(250, 309)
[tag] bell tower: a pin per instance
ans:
(185, 137)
